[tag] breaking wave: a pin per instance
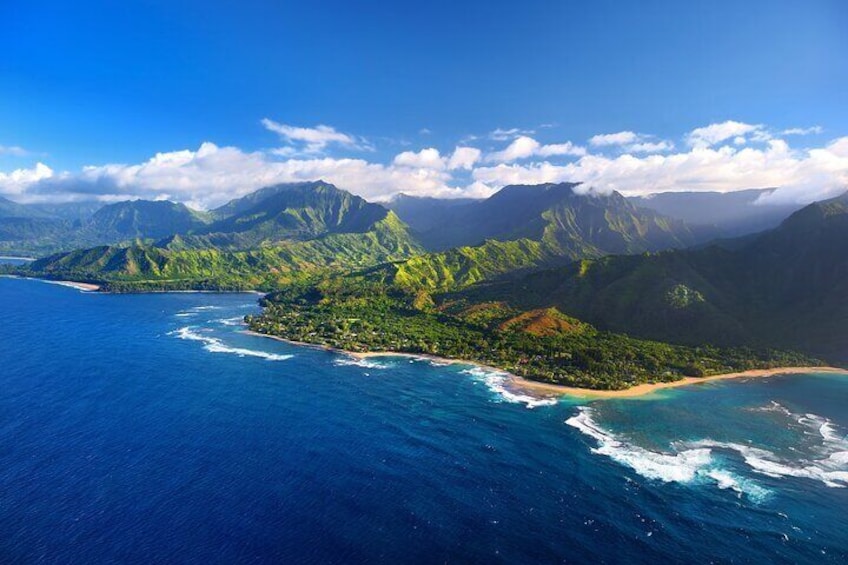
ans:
(236, 321)
(215, 345)
(496, 381)
(830, 466)
(363, 363)
(700, 461)
(689, 466)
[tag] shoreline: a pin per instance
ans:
(650, 388)
(93, 287)
(550, 390)
(81, 286)
(85, 287)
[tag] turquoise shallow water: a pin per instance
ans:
(147, 427)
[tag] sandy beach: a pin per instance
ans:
(87, 287)
(547, 390)
(645, 389)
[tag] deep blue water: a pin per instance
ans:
(143, 428)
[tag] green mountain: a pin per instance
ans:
(533, 227)
(288, 212)
(41, 228)
(141, 219)
(579, 225)
(294, 235)
(785, 288)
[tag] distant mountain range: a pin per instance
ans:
(521, 227)
(579, 224)
(731, 213)
(708, 214)
(597, 258)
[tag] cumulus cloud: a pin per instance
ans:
(638, 164)
(710, 135)
(801, 176)
(430, 158)
(212, 175)
(524, 147)
(650, 147)
(464, 158)
(631, 142)
(620, 138)
(18, 181)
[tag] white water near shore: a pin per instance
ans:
(710, 461)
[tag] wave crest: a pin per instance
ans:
(496, 381)
(693, 465)
(215, 345)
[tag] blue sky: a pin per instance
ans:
(91, 83)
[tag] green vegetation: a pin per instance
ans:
(784, 288)
(543, 299)
(147, 267)
(356, 314)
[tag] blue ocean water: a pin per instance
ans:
(145, 428)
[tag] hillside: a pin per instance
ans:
(785, 287)
(289, 212)
(140, 219)
(579, 225)
(184, 262)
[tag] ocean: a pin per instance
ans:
(149, 428)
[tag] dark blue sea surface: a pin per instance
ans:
(148, 428)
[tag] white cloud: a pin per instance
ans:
(19, 180)
(620, 138)
(313, 140)
(210, 175)
(650, 147)
(464, 158)
(631, 142)
(802, 176)
(503, 134)
(524, 147)
(803, 131)
(556, 149)
(521, 148)
(425, 159)
(713, 134)
(430, 158)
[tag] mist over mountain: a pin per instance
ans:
(733, 213)
(423, 213)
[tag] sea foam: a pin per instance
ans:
(215, 345)
(363, 363)
(496, 381)
(693, 465)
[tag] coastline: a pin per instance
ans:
(85, 287)
(549, 390)
(650, 388)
